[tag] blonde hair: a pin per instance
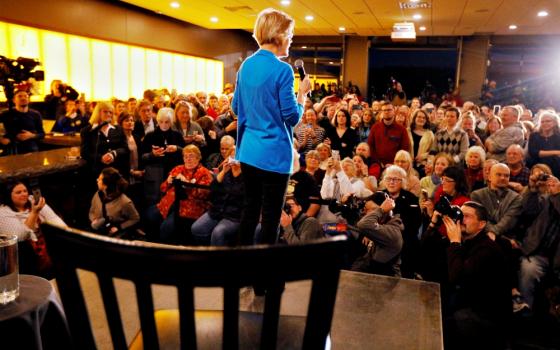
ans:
(96, 114)
(351, 163)
(272, 27)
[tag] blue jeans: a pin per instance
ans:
(532, 269)
(166, 230)
(216, 232)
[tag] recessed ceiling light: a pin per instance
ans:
(417, 16)
(342, 29)
(175, 5)
(414, 0)
(542, 13)
(512, 27)
(304, 47)
(285, 2)
(214, 19)
(422, 28)
(309, 18)
(331, 62)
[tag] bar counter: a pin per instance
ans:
(62, 140)
(37, 164)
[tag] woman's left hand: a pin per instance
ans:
(171, 149)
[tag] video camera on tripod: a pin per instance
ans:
(16, 71)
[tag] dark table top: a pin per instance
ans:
(37, 164)
(56, 139)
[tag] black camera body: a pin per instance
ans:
(13, 72)
(543, 177)
(445, 208)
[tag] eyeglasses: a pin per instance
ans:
(387, 110)
(446, 179)
(190, 156)
(393, 179)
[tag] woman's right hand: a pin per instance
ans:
(428, 205)
(36, 208)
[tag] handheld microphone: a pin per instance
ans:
(299, 65)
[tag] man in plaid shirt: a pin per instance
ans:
(519, 173)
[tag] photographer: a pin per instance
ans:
(54, 101)
(480, 311)
(297, 226)
(381, 233)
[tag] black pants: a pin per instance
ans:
(264, 191)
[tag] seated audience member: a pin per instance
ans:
(519, 173)
(468, 124)
(193, 202)
(103, 144)
(219, 225)
(192, 132)
(503, 205)
(135, 175)
(433, 261)
(382, 234)
(212, 110)
(111, 212)
(421, 139)
(362, 173)
(308, 133)
(493, 124)
(404, 161)
(480, 310)
(312, 161)
(512, 133)
(215, 159)
(342, 137)
(20, 215)
(325, 154)
(362, 149)
(296, 225)
(431, 182)
(71, 121)
(474, 169)
(401, 117)
(452, 139)
(54, 102)
(406, 205)
(544, 142)
(386, 138)
(226, 124)
(161, 152)
(540, 245)
(23, 126)
(146, 121)
(488, 164)
(340, 179)
(210, 133)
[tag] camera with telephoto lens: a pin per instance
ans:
(445, 208)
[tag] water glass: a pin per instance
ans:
(9, 279)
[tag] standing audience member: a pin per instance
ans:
(111, 212)
(161, 152)
(136, 174)
(192, 132)
(421, 138)
(342, 137)
(512, 133)
(406, 205)
(544, 143)
(452, 139)
(146, 122)
(103, 144)
(308, 133)
(386, 137)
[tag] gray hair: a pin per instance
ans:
(395, 169)
(481, 153)
(165, 113)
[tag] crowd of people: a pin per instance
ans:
(456, 195)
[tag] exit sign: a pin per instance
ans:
(414, 5)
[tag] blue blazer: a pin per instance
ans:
(267, 111)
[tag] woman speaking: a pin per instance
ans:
(267, 111)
